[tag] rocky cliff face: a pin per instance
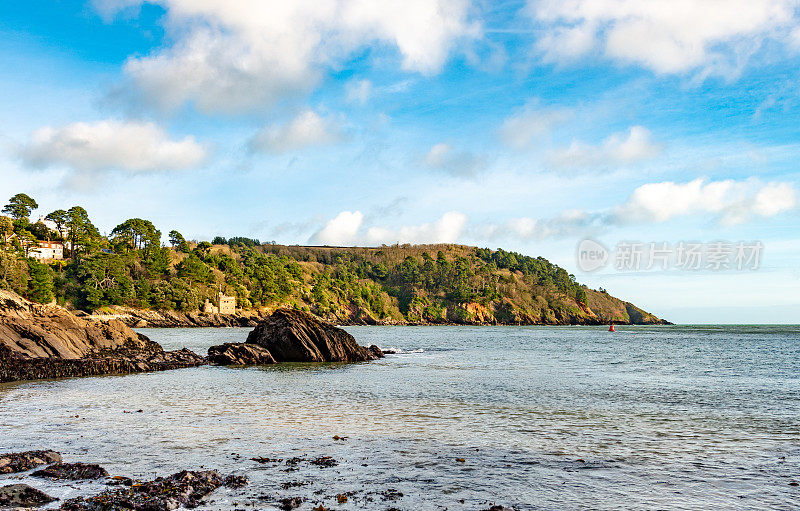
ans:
(293, 336)
(47, 341)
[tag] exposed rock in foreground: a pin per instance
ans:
(233, 353)
(22, 496)
(72, 471)
(186, 488)
(47, 341)
(13, 462)
(294, 336)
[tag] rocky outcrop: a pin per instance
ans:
(294, 336)
(72, 471)
(141, 318)
(232, 353)
(22, 496)
(47, 341)
(186, 488)
(13, 462)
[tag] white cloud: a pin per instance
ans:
(348, 228)
(447, 229)
(235, 56)
(733, 202)
(307, 129)
(359, 91)
(130, 146)
(618, 149)
(567, 223)
(442, 157)
(341, 230)
(530, 123)
(667, 36)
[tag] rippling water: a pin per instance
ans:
(544, 418)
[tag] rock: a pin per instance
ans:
(22, 495)
(291, 503)
(296, 336)
(324, 461)
(236, 481)
(376, 351)
(13, 462)
(499, 508)
(47, 341)
(239, 354)
(72, 471)
(186, 488)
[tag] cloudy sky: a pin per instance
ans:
(523, 125)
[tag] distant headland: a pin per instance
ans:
(130, 275)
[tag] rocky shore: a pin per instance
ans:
(476, 315)
(47, 341)
(193, 488)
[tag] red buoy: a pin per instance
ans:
(611, 328)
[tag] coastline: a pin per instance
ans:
(143, 318)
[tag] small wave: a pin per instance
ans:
(399, 351)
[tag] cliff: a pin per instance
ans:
(47, 341)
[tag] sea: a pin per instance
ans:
(460, 418)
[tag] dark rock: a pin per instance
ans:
(291, 503)
(499, 508)
(324, 461)
(239, 354)
(22, 495)
(119, 481)
(296, 336)
(236, 481)
(186, 488)
(47, 341)
(72, 471)
(376, 351)
(21, 461)
(389, 352)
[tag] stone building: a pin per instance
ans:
(225, 305)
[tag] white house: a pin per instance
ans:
(48, 251)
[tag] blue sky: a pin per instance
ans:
(527, 125)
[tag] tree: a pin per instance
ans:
(40, 287)
(137, 233)
(83, 235)
(192, 269)
(41, 231)
(6, 228)
(20, 206)
(60, 218)
(27, 240)
(177, 241)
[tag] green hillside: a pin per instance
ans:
(389, 284)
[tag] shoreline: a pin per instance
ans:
(145, 318)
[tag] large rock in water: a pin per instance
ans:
(294, 336)
(47, 341)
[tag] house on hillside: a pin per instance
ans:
(48, 251)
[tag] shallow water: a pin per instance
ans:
(544, 417)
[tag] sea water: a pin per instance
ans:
(667, 417)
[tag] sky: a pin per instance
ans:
(526, 125)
